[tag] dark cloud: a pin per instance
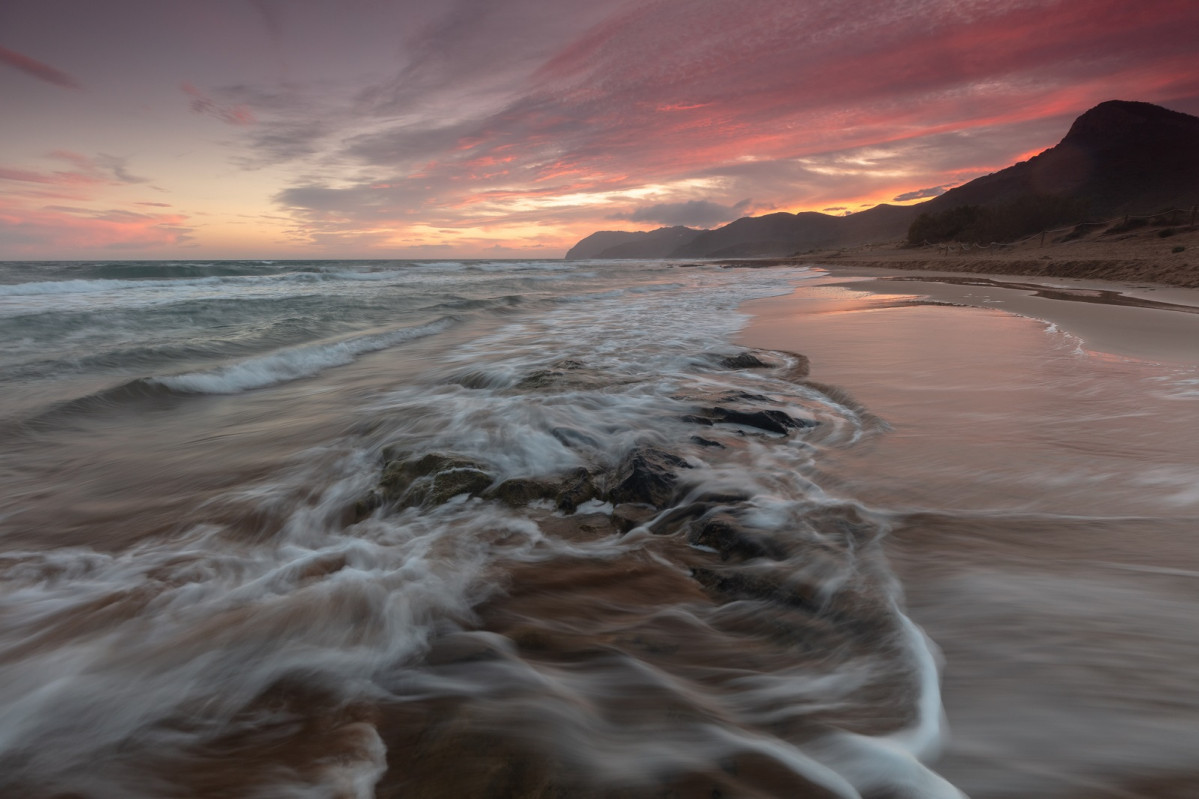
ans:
(271, 16)
(115, 166)
(692, 213)
(278, 142)
(37, 69)
(202, 103)
(920, 194)
(102, 168)
(363, 203)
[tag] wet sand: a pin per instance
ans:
(1147, 322)
(1042, 493)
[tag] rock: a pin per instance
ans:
(770, 420)
(768, 587)
(648, 476)
(628, 516)
(432, 479)
(743, 360)
(694, 419)
(723, 533)
(520, 491)
(576, 489)
(572, 438)
(542, 378)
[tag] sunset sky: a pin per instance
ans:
(512, 128)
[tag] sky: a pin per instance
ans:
(185, 129)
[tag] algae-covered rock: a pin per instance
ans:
(520, 491)
(725, 534)
(432, 479)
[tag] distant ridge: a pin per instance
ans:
(1118, 157)
(658, 243)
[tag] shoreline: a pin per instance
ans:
(1042, 502)
(1157, 324)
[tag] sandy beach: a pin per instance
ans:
(1041, 492)
(1115, 318)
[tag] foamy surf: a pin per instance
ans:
(592, 546)
(295, 363)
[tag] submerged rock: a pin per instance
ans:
(627, 517)
(725, 534)
(432, 479)
(743, 360)
(648, 476)
(520, 491)
(770, 420)
(576, 489)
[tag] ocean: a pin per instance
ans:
(546, 528)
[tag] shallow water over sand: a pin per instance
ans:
(1045, 509)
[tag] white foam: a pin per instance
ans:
(293, 364)
(99, 286)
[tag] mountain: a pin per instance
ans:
(658, 243)
(772, 235)
(759, 236)
(1118, 157)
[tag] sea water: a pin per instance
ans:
(347, 529)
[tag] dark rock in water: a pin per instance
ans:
(743, 396)
(768, 586)
(573, 438)
(648, 476)
(577, 488)
(773, 421)
(626, 517)
(723, 533)
(706, 442)
(743, 408)
(432, 479)
(453, 482)
(542, 378)
(364, 507)
(681, 518)
(567, 374)
(520, 491)
(743, 360)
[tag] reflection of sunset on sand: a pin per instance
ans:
(1044, 504)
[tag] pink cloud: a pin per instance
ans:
(101, 170)
(37, 69)
(796, 104)
(25, 175)
(68, 229)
